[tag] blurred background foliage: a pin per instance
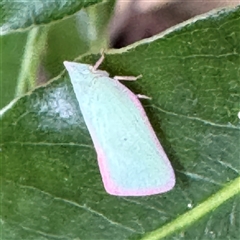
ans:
(33, 48)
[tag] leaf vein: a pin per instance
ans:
(146, 206)
(49, 144)
(43, 233)
(200, 177)
(85, 207)
(229, 125)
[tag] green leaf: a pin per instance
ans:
(18, 15)
(11, 50)
(31, 60)
(33, 56)
(51, 185)
(81, 33)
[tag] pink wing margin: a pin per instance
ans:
(109, 185)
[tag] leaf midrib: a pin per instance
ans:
(198, 212)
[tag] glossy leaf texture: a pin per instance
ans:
(18, 15)
(32, 54)
(51, 185)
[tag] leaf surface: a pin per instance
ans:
(51, 185)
